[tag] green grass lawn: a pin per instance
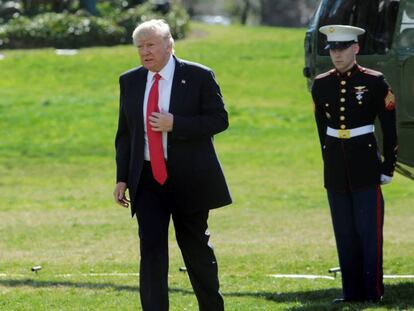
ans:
(57, 124)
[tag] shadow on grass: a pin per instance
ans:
(399, 295)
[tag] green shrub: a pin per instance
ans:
(110, 8)
(74, 31)
(59, 31)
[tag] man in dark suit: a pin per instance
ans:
(170, 110)
(347, 100)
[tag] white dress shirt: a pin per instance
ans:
(164, 91)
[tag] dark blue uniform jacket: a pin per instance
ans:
(351, 100)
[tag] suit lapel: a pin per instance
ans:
(141, 84)
(136, 96)
(179, 85)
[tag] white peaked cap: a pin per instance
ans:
(341, 33)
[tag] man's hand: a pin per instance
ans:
(385, 179)
(161, 121)
(119, 194)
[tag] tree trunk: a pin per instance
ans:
(89, 6)
(288, 13)
(245, 12)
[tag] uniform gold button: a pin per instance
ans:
(342, 100)
(342, 108)
(326, 105)
(359, 103)
(343, 90)
(369, 145)
(343, 82)
(343, 126)
(341, 118)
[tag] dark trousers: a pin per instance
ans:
(155, 208)
(358, 219)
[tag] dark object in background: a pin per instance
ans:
(387, 46)
(132, 3)
(162, 6)
(89, 6)
(33, 7)
(9, 10)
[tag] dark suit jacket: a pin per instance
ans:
(194, 171)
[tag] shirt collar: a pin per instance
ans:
(166, 73)
(349, 73)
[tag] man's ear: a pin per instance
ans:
(356, 48)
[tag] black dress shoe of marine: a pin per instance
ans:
(373, 300)
(345, 300)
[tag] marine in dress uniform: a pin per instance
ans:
(347, 101)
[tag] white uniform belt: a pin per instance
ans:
(349, 133)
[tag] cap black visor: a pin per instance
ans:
(338, 45)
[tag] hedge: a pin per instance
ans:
(60, 31)
(64, 30)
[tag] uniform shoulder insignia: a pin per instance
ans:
(371, 72)
(389, 100)
(325, 74)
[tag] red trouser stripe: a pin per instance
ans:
(379, 240)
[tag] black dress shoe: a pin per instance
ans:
(346, 300)
(373, 300)
(339, 300)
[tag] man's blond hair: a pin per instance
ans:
(153, 26)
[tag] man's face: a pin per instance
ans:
(344, 59)
(154, 51)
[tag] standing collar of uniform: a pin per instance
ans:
(349, 73)
(166, 73)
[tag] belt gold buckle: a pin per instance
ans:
(344, 134)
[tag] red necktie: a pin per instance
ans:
(156, 151)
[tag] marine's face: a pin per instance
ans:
(344, 59)
(154, 51)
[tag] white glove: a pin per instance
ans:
(385, 179)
